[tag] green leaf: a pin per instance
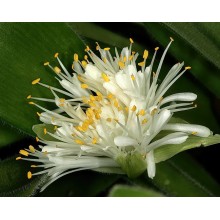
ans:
(183, 176)
(24, 48)
(14, 181)
(9, 135)
(195, 43)
(85, 183)
(132, 191)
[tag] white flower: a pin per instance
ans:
(112, 111)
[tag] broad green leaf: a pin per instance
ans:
(9, 135)
(85, 183)
(132, 191)
(14, 181)
(183, 176)
(24, 48)
(195, 47)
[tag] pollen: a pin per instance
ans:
(29, 175)
(28, 97)
(157, 48)
(94, 140)
(142, 112)
(87, 48)
(141, 63)
(145, 54)
(105, 77)
(187, 67)
(18, 158)
(107, 48)
(86, 57)
(32, 149)
(194, 133)
(31, 103)
(57, 70)
(121, 64)
(35, 81)
(24, 152)
(84, 86)
(33, 166)
(56, 55)
(134, 108)
(37, 139)
(45, 131)
(46, 64)
(131, 40)
(76, 57)
(132, 77)
(39, 114)
(79, 141)
(84, 63)
(144, 121)
(110, 96)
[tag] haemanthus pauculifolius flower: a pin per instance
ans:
(108, 115)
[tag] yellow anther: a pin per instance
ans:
(29, 175)
(105, 77)
(72, 67)
(157, 48)
(31, 103)
(153, 111)
(56, 55)
(84, 86)
(92, 98)
(28, 97)
(18, 158)
(134, 108)
(124, 59)
(57, 70)
(55, 128)
(133, 52)
(116, 104)
(33, 166)
(131, 40)
(80, 78)
(145, 54)
(79, 128)
(87, 49)
(97, 47)
(86, 57)
(45, 131)
(46, 64)
(194, 133)
(130, 57)
(23, 152)
(94, 140)
(97, 116)
(110, 96)
(76, 57)
(142, 112)
(79, 141)
(144, 121)
(32, 149)
(39, 114)
(37, 139)
(84, 63)
(132, 77)
(121, 64)
(187, 67)
(35, 81)
(141, 63)
(115, 119)
(171, 39)
(61, 100)
(107, 48)
(109, 119)
(126, 109)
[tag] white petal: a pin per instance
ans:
(161, 120)
(174, 138)
(185, 96)
(123, 141)
(151, 167)
(92, 71)
(197, 130)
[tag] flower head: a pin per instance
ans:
(108, 114)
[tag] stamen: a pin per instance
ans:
(79, 141)
(157, 48)
(35, 81)
(29, 175)
(75, 57)
(107, 48)
(56, 55)
(132, 77)
(37, 139)
(145, 54)
(94, 140)
(105, 77)
(32, 149)
(57, 70)
(45, 131)
(134, 108)
(46, 64)
(187, 67)
(144, 121)
(29, 97)
(84, 86)
(24, 152)
(194, 133)
(18, 158)
(131, 40)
